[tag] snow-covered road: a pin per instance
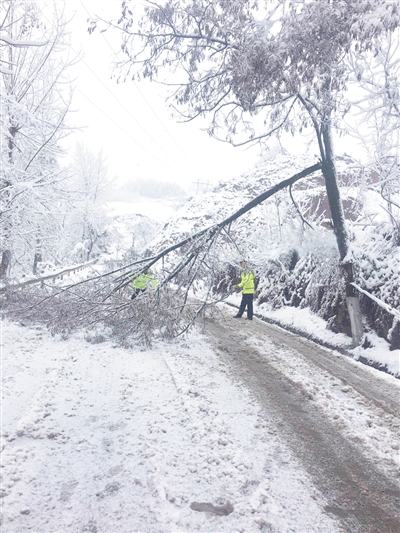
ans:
(339, 417)
(96, 438)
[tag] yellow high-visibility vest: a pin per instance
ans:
(247, 282)
(144, 281)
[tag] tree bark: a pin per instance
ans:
(335, 203)
(36, 260)
(5, 264)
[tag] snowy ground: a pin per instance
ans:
(101, 439)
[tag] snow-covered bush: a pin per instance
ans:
(377, 252)
(314, 280)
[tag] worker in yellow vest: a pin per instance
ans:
(142, 282)
(247, 286)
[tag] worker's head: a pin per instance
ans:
(243, 264)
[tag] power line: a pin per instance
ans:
(151, 108)
(114, 122)
(130, 114)
(122, 129)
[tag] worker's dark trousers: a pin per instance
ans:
(136, 293)
(247, 300)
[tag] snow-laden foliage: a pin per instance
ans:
(252, 56)
(87, 190)
(378, 256)
(375, 114)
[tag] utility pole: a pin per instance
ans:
(198, 183)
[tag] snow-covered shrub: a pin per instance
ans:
(306, 276)
(377, 253)
(310, 276)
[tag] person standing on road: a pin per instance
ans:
(247, 286)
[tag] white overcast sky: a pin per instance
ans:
(131, 121)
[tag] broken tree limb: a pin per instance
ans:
(210, 231)
(166, 313)
(298, 209)
(267, 194)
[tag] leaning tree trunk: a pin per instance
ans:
(5, 264)
(5, 238)
(342, 238)
(36, 260)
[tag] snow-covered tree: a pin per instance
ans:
(88, 190)
(7, 38)
(376, 105)
(34, 103)
(375, 119)
(257, 68)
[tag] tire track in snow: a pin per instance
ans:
(365, 380)
(356, 415)
(364, 499)
(273, 489)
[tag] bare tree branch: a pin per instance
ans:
(298, 209)
(20, 44)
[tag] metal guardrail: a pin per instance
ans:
(54, 277)
(379, 302)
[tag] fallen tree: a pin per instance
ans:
(91, 301)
